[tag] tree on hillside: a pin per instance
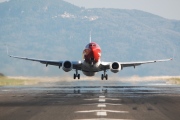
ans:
(2, 75)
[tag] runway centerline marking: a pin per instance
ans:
(101, 105)
(102, 100)
(101, 114)
(101, 96)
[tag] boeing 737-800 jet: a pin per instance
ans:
(91, 63)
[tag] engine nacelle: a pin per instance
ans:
(115, 67)
(67, 66)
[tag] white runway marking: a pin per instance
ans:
(102, 100)
(101, 96)
(6, 90)
(111, 111)
(103, 119)
(112, 104)
(73, 95)
(101, 105)
(101, 114)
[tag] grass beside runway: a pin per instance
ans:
(16, 81)
(5, 81)
(175, 80)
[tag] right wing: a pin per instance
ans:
(47, 62)
(76, 64)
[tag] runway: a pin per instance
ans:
(98, 102)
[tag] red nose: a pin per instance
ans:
(95, 54)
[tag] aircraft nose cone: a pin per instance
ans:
(95, 54)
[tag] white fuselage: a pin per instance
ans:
(90, 69)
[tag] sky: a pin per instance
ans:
(165, 8)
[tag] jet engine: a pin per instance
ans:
(115, 67)
(67, 66)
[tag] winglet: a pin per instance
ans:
(90, 37)
(173, 55)
(7, 50)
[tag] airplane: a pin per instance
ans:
(91, 62)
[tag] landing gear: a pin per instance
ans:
(104, 76)
(77, 75)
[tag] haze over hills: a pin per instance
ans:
(57, 30)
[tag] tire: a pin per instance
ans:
(102, 77)
(78, 76)
(106, 76)
(74, 76)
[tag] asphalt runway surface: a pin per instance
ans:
(100, 102)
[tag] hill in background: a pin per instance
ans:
(57, 30)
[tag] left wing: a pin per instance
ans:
(134, 64)
(107, 65)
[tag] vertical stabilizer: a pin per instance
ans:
(90, 37)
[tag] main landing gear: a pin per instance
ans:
(77, 75)
(104, 76)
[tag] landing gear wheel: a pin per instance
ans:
(106, 76)
(74, 76)
(102, 77)
(78, 76)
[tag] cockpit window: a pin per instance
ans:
(92, 45)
